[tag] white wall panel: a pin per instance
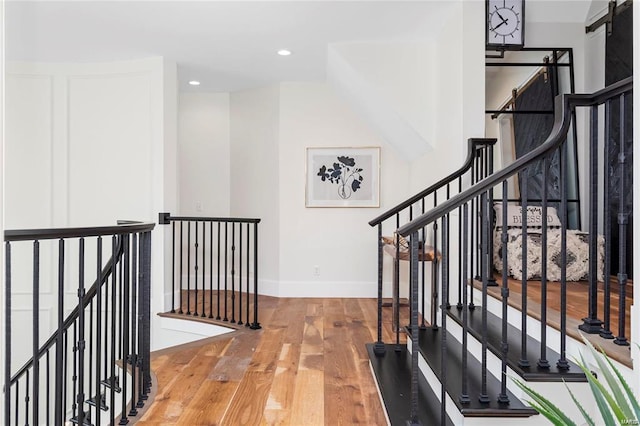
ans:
(109, 148)
(29, 135)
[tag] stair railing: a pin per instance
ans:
(498, 183)
(477, 165)
(214, 268)
(101, 343)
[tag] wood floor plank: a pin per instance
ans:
(309, 398)
(278, 408)
(250, 399)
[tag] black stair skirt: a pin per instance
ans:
(532, 373)
(393, 374)
(430, 347)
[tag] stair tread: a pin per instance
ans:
(393, 374)
(430, 346)
(494, 343)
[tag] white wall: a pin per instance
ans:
(255, 162)
(2, 254)
(88, 144)
(338, 241)
(204, 153)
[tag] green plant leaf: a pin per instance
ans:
(630, 394)
(586, 416)
(544, 406)
(606, 404)
(612, 381)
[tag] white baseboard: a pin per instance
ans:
(341, 289)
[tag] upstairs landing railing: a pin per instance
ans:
(481, 197)
(477, 165)
(214, 265)
(77, 352)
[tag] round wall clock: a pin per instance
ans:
(505, 24)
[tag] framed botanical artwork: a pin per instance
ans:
(343, 177)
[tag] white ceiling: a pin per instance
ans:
(227, 45)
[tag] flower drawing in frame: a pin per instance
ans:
(343, 177)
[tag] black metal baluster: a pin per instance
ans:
(59, 412)
(396, 288)
(443, 316)
(189, 268)
(233, 273)
(606, 327)
(379, 348)
(246, 323)
(26, 400)
(415, 348)
(112, 362)
(17, 402)
(226, 264)
(125, 319)
(472, 234)
(204, 268)
(483, 224)
(240, 276)
(173, 269)
(218, 292)
(36, 334)
(464, 272)
(503, 397)
(489, 170)
(65, 374)
(48, 388)
(591, 324)
(80, 397)
(562, 363)
(523, 362)
(424, 270)
(146, 323)
(623, 221)
(7, 334)
(211, 270)
(181, 261)
(434, 270)
(446, 300)
(542, 361)
(97, 397)
(133, 357)
(195, 279)
(74, 378)
(256, 324)
(461, 283)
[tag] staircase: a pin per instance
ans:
(467, 342)
(77, 338)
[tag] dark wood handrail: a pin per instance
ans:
(473, 145)
(55, 233)
(562, 121)
(165, 218)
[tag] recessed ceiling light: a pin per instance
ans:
(194, 83)
(284, 52)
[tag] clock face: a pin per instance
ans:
(505, 22)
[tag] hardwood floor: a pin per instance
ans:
(307, 366)
(577, 309)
